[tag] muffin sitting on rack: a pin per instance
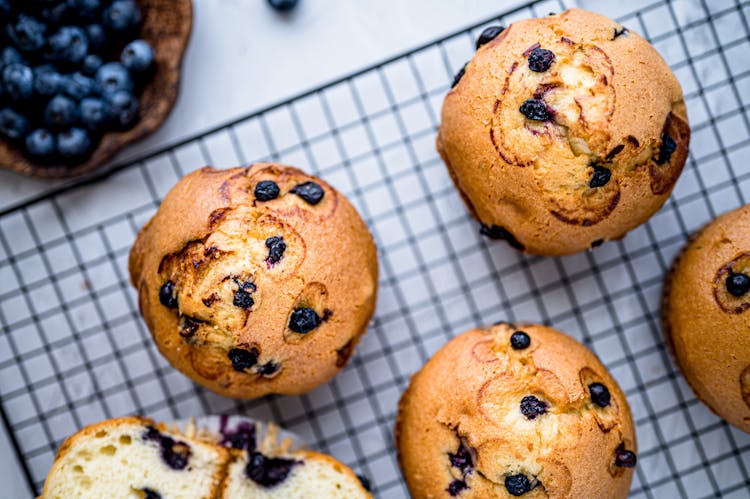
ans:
(564, 132)
(255, 280)
(706, 315)
(515, 411)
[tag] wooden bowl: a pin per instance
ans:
(166, 26)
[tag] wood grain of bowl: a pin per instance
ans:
(166, 26)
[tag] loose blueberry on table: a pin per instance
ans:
(70, 71)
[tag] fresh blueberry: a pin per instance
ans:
(137, 56)
(517, 485)
(283, 5)
(268, 471)
(276, 247)
(266, 190)
(41, 144)
(124, 109)
(456, 487)
(13, 125)
(535, 109)
(91, 64)
(97, 37)
(168, 295)
(78, 86)
(54, 14)
(625, 458)
(738, 284)
(599, 394)
(18, 81)
(532, 407)
(47, 81)
(600, 177)
(309, 191)
(10, 55)
(73, 144)
(61, 112)
(27, 33)
(94, 113)
(489, 34)
(540, 60)
(69, 45)
(122, 16)
(113, 77)
(243, 359)
(4, 8)
(85, 9)
(303, 320)
(520, 340)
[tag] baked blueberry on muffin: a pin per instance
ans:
(705, 315)
(255, 280)
(563, 132)
(136, 458)
(515, 410)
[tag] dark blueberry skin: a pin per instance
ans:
(78, 86)
(27, 33)
(599, 394)
(738, 284)
(243, 296)
(94, 113)
(123, 108)
(73, 144)
(497, 232)
(168, 295)
(456, 487)
(365, 482)
(625, 458)
(462, 459)
(150, 494)
(520, 340)
(137, 56)
(459, 75)
(188, 326)
(12, 124)
(41, 144)
(243, 359)
(60, 113)
(69, 45)
(175, 454)
(86, 9)
(540, 60)
(489, 34)
(97, 37)
(304, 320)
(266, 190)
(113, 77)
(276, 247)
(18, 81)
(283, 5)
(268, 471)
(600, 177)
(4, 7)
(10, 55)
(122, 16)
(268, 368)
(311, 192)
(532, 407)
(242, 437)
(47, 81)
(667, 147)
(91, 65)
(517, 485)
(535, 109)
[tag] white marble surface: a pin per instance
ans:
(244, 56)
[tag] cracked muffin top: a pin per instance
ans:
(515, 410)
(563, 132)
(706, 317)
(255, 280)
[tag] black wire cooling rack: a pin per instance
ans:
(74, 350)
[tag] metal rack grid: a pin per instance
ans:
(73, 349)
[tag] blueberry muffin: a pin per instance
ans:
(705, 315)
(255, 280)
(136, 458)
(563, 132)
(515, 410)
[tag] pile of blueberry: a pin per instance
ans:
(70, 71)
